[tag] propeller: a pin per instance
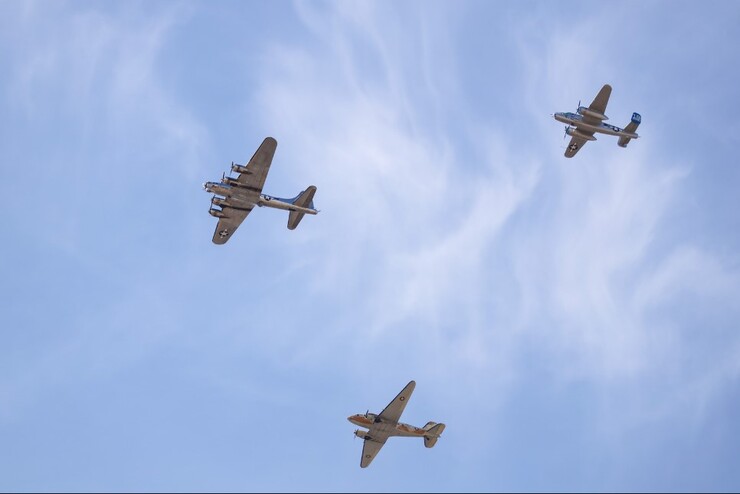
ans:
(565, 134)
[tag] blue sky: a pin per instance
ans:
(573, 322)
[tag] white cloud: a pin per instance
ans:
(407, 224)
(449, 249)
(92, 77)
(604, 284)
(467, 252)
(428, 244)
(98, 71)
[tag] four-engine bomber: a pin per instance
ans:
(239, 195)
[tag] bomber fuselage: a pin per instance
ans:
(246, 198)
(590, 126)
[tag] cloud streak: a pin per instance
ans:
(555, 313)
(469, 264)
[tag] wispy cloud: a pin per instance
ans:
(595, 280)
(87, 81)
(98, 70)
(467, 263)
(455, 246)
(409, 223)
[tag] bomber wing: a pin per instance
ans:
(228, 224)
(598, 105)
(576, 143)
(369, 450)
(392, 413)
(254, 177)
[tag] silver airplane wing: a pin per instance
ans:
(369, 450)
(598, 105)
(258, 166)
(392, 413)
(229, 223)
(576, 143)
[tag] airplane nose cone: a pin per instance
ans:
(350, 418)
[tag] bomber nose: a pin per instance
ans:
(350, 418)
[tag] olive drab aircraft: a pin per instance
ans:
(241, 194)
(384, 425)
(586, 121)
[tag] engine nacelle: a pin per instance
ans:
(574, 132)
(239, 168)
(586, 112)
(217, 213)
(219, 188)
(219, 201)
(231, 181)
(362, 434)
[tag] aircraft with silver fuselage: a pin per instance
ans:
(385, 424)
(589, 120)
(241, 194)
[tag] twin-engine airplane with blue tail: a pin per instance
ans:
(586, 121)
(386, 424)
(243, 193)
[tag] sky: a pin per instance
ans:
(574, 322)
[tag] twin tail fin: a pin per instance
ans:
(631, 128)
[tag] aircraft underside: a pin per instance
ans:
(601, 128)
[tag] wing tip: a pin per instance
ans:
(220, 240)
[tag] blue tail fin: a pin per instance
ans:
(631, 128)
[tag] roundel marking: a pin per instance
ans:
(402, 398)
(367, 456)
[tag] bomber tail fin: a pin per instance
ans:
(433, 433)
(631, 128)
(304, 200)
